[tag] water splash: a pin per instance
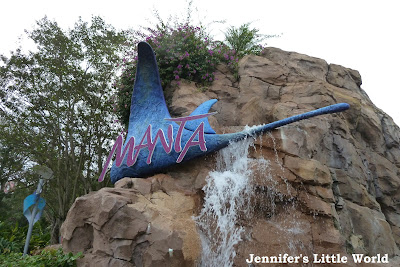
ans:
(227, 199)
(242, 190)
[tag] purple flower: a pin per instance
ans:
(179, 66)
(176, 77)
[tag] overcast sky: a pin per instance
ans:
(358, 34)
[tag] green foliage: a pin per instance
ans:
(10, 238)
(7, 246)
(11, 164)
(172, 47)
(245, 40)
(47, 258)
(13, 236)
(57, 110)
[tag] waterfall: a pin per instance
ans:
(232, 198)
(226, 200)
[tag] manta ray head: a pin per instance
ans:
(156, 141)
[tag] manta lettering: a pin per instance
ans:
(149, 116)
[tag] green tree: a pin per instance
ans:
(11, 163)
(56, 100)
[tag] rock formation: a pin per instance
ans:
(335, 179)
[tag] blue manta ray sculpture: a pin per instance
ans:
(194, 137)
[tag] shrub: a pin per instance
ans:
(47, 258)
(13, 236)
(245, 40)
(7, 246)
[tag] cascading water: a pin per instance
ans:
(231, 197)
(227, 195)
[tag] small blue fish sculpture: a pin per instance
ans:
(156, 141)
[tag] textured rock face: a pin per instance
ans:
(335, 179)
(351, 156)
(140, 222)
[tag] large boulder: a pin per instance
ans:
(140, 222)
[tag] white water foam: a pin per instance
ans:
(227, 204)
(226, 199)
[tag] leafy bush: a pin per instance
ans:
(47, 258)
(13, 236)
(184, 52)
(245, 40)
(7, 246)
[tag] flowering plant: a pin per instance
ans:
(183, 52)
